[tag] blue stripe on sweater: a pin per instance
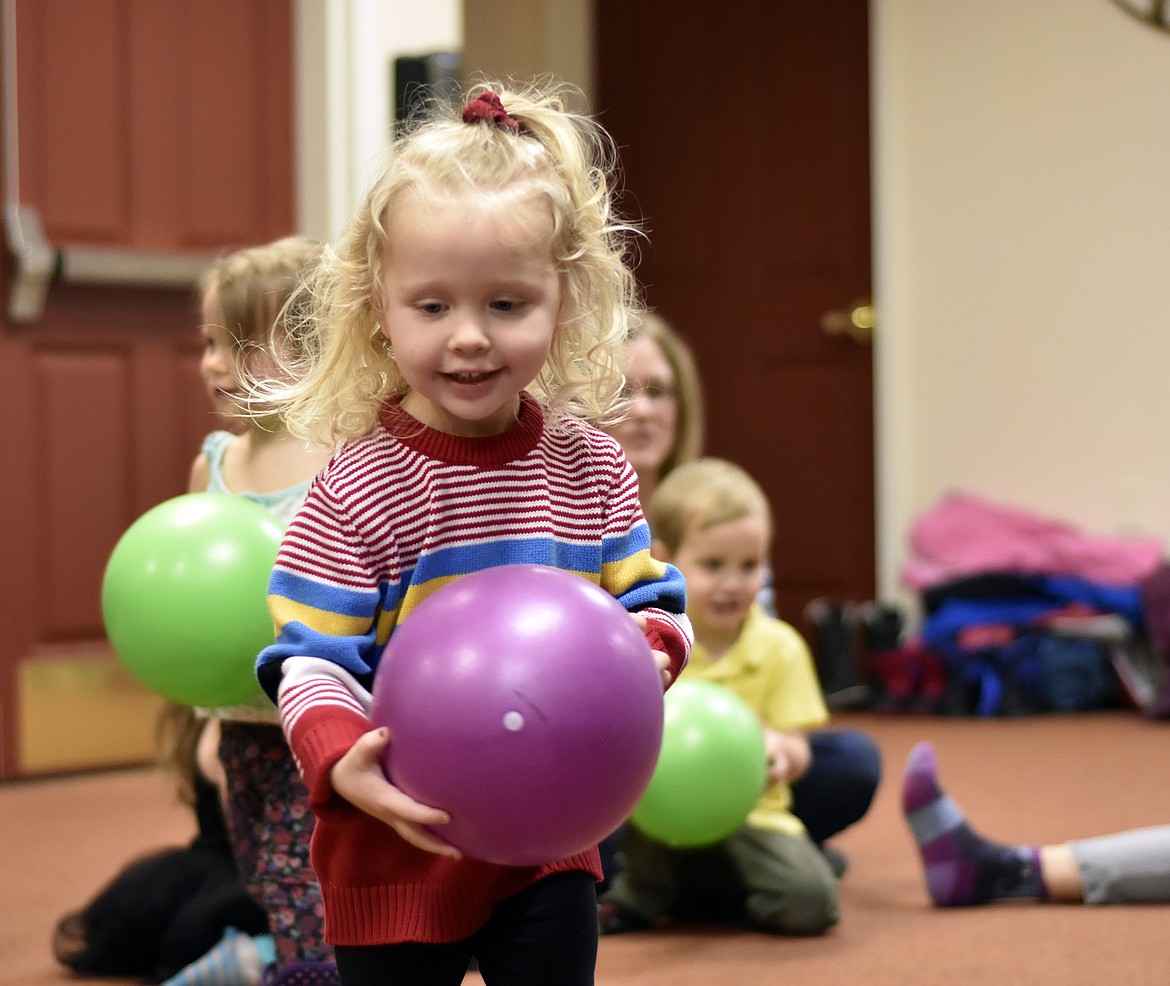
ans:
(668, 593)
(320, 595)
(359, 655)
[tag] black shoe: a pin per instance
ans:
(837, 860)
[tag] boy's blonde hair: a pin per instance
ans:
(251, 288)
(702, 494)
(348, 372)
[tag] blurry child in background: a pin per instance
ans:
(167, 909)
(663, 429)
(182, 915)
(713, 522)
(245, 327)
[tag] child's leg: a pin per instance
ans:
(115, 933)
(790, 887)
(270, 825)
(1127, 868)
(962, 867)
(645, 889)
(197, 927)
(611, 857)
(409, 962)
(545, 934)
(710, 890)
(236, 960)
(840, 784)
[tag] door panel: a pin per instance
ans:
(744, 142)
(155, 123)
(75, 542)
(147, 125)
(80, 43)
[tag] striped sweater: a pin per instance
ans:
(392, 518)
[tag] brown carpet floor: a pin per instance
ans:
(1029, 780)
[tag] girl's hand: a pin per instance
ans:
(358, 778)
(661, 658)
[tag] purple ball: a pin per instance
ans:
(524, 701)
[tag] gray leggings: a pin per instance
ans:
(1127, 868)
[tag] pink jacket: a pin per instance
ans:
(966, 535)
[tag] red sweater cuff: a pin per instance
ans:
(662, 637)
(319, 740)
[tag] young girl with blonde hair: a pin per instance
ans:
(463, 340)
(248, 330)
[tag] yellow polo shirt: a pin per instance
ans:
(771, 668)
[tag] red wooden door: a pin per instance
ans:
(744, 133)
(147, 125)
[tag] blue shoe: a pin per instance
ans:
(234, 961)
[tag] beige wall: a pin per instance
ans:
(529, 38)
(1022, 251)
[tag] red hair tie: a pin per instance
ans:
(487, 106)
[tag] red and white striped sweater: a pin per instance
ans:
(392, 518)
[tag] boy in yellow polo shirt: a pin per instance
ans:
(713, 521)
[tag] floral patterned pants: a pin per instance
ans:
(269, 824)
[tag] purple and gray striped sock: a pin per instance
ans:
(962, 868)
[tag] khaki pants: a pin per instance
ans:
(769, 880)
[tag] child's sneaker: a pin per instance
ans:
(234, 961)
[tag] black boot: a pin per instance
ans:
(833, 636)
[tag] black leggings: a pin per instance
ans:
(545, 934)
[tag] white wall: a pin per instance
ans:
(1022, 252)
(345, 58)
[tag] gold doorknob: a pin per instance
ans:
(858, 323)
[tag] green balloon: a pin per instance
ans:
(711, 769)
(184, 597)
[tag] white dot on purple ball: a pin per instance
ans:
(513, 721)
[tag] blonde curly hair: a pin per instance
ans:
(335, 389)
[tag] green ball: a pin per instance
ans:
(184, 597)
(711, 770)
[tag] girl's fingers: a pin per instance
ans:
(427, 841)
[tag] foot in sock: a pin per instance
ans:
(236, 960)
(962, 867)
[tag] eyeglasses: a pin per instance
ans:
(652, 390)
